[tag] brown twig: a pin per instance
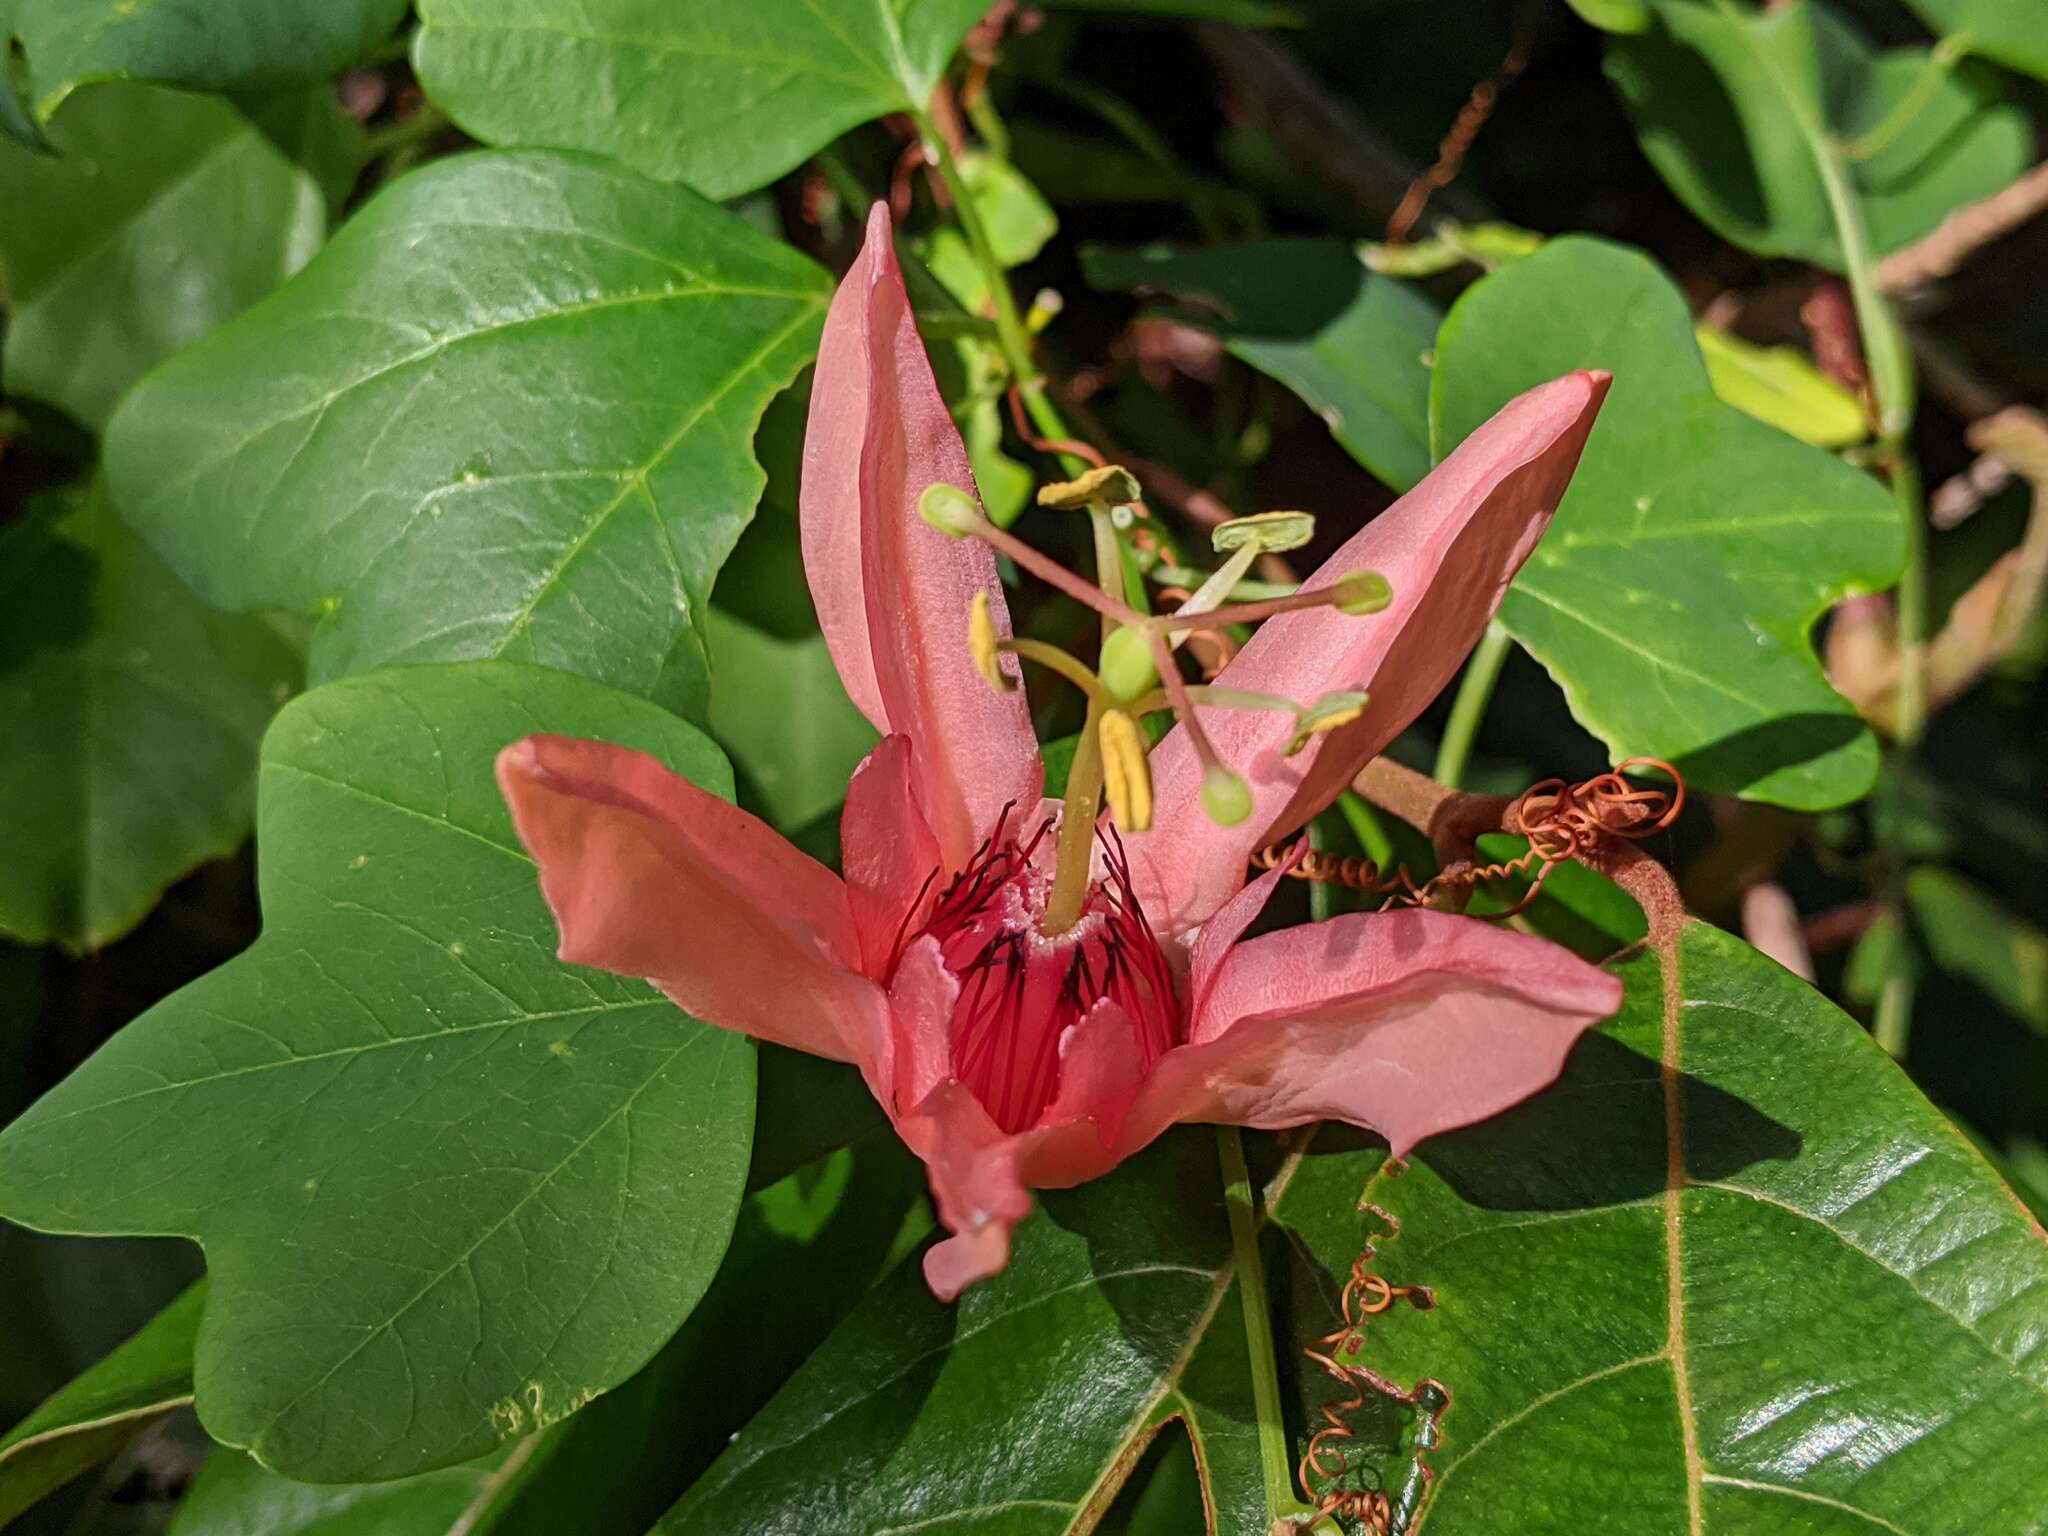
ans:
(1450, 155)
(1923, 264)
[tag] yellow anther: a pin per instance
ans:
(1270, 533)
(1326, 714)
(1111, 485)
(983, 644)
(1126, 776)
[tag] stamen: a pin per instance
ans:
(1326, 714)
(984, 644)
(1361, 592)
(1106, 485)
(1053, 659)
(1127, 778)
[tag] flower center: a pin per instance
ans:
(1020, 991)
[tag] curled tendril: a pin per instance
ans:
(1561, 821)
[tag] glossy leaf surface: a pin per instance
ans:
(1673, 595)
(161, 215)
(724, 95)
(2009, 31)
(1731, 1274)
(449, 1189)
(506, 412)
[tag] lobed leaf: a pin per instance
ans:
(449, 1189)
(1674, 594)
(506, 412)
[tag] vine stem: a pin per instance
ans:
(1475, 692)
(1011, 333)
(1274, 1461)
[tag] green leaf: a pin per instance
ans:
(779, 709)
(1674, 594)
(618, 1464)
(161, 215)
(2009, 31)
(1734, 106)
(1613, 15)
(1732, 1264)
(724, 95)
(449, 1189)
(217, 45)
(1025, 1405)
(506, 412)
(1782, 387)
(1352, 343)
(133, 713)
(86, 1422)
(1970, 933)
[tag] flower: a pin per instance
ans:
(1010, 1058)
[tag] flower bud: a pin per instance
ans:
(983, 643)
(1127, 669)
(1126, 776)
(1363, 592)
(1225, 795)
(949, 509)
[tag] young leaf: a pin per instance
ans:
(1674, 595)
(216, 46)
(1731, 1273)
(449, 1189)
(724, 95)
(133, 715)
(1350, 342)
(506, 412)
(79, 1427)
(161, 215)
(1734, 106)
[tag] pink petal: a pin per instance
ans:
(888, 854)
(982, 1179)
(1407, 1023)
(1219, 935)
(893, 594)
(1449, 548)
(921, 1000)
(650, 876)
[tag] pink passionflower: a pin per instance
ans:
(1006, 1059)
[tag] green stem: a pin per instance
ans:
(1944, 57)
(1909, 716)
(1894, 1022)
(417, 129)
(1475, 691)
(1012, 335)
(1274, 1460)
(1077, 828)
(853, 197)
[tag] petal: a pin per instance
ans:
(1219, 935)
(650, 876)
(888, 853)
(973, 1168)
(1449, 548)
(1406, 1023)
(921, 1000)
(892, 593)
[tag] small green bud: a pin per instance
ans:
(949, 509)
(1225, 796)
(1127, 669)
(1270, 533)
(1110, 485)
(1363, 592)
